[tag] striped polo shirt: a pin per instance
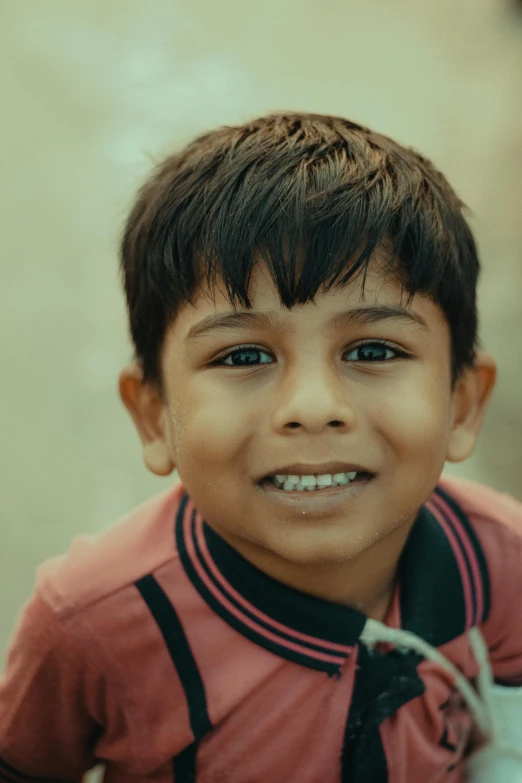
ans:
(157, 650)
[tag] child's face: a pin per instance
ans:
(292, 392)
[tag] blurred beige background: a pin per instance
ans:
(93, 90)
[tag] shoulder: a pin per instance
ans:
(78, 658)
(98, 566)
(492, 513)
(88, 644)
(496, 519)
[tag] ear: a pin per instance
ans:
(147, 410)
(470, 400)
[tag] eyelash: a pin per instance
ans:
(220, 361)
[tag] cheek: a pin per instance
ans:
(208, 429)
(415, 424)
(413, 430)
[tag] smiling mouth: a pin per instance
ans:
(325, 482)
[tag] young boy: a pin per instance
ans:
(301, 296)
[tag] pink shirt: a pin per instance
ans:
(157, 650)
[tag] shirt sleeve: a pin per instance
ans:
(503, 629)
(53, 701)
(497, 521)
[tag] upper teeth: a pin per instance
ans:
(313, 482)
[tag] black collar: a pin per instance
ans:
(443, 587)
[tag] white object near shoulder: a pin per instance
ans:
(496, 710)
(501, 758)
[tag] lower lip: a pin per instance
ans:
(319, 501)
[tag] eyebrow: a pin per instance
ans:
(376, 313)
(245, 319)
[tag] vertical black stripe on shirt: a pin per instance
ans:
(179, 649)
(384, 682)
(477, 548)
(9, 777)
(184, 765)
(11, 774)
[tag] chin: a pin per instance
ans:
(307, 552)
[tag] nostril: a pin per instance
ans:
(293, 425)
(336, 423)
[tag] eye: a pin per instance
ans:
(244, 356)
(374, 352)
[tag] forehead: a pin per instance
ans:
(377, 288)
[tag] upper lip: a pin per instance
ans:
(307, 469)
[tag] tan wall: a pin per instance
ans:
(92, 90)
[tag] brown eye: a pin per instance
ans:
(373, 352)
(245, 357)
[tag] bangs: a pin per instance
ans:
(314, 223)
(313, 198)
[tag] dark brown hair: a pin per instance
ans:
(315, 196)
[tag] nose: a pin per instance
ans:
(312, 399)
